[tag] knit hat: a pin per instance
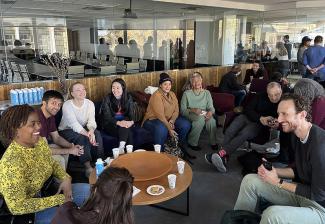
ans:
(164, 77)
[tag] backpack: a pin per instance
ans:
(172, 147)
(240, 217)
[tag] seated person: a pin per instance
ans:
(103, 50)
(260, 113)
(78, 125)
(229, 84)
(162, 115)
(51, 104)
(302, 201)
(254, 73)
(315, 93)
(116, 112)
(27, 164)
(197, 107)
(110, 201)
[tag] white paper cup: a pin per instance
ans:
(122, 144)
(108, 161)
(129, 148)
(116, 152)
(277, 146)
(171, 181)
(157, 148)
(180, 167)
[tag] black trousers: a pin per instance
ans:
(123, 134)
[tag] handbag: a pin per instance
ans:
(172, 147)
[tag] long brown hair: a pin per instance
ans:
(111, 196)
(71, 88)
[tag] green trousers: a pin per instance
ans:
(198, 123)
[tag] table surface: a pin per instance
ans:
(183, 181)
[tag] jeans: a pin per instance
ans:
(239, 96)
(89, 150)
(160, 131)
(80, 193)
(287, 206)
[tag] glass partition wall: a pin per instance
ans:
(104, 38)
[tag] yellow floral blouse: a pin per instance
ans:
(23, 172)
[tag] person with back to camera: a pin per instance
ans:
(110, 201)
(78, 125)
(26, 166)
(116, 112)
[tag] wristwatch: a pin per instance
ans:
(279, 185)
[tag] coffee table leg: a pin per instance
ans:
(187, 213)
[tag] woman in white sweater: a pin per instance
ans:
(78, 125)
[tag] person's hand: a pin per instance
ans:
(173, 133)
(265, 120)
(76, 150)
(66, 187)
(83, 132)
(208, 115)
(197, 111)
(92, 138)
(125, 124)
(171, 123)
(270, 177)
(284, 81)
(274, 124)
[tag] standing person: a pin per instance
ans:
(51, 104)
(287, 45)
(27, 164)
(162, 115)
(305, 43)
(148, 48)
(301, 201)
(110, 201)
(116, 112)
(281, 54)
(229, 84)
(314, 60)
(197, 107)
(78, 125)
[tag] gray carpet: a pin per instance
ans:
(211, 193)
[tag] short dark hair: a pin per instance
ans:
(301, 103)
(318, 39)
(235, 68)
(286, 36)
(52, 94)
(13, 118)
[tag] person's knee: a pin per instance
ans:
(199, 123)
(250, 180)
(185, 126)
(211, 123)
(161, 129)
(274, 215)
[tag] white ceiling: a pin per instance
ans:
(80, 12)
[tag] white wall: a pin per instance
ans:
(84, 36)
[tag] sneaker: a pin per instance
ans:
(207, 157)
(219, 162)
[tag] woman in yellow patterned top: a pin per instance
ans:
(27, 164)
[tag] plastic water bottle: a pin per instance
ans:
(35, 98)
(99, 166)
(25, 94)
(42, 93)
(21, 96)
(14, 99)
(39, 97)
(30, 96)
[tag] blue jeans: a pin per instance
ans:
(80, 193)
(160, 131)
(239, 96)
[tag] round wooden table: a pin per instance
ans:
(183, 183)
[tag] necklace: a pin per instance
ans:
(197, 94)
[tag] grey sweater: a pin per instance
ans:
(310, 165)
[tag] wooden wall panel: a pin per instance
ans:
(99, 86)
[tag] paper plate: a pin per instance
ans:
(155, 190)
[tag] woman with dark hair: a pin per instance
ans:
(116, 112)
(305, 43)
(78, 125)
(110, 201)
(27, 164)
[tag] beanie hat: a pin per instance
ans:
(164, 77)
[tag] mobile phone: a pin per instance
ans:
(271, 121)
(267, 165)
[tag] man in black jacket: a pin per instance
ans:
(229, 84)
(301, 201)
(259, 114)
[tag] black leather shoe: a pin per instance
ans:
(195, 148)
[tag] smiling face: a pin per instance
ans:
(78, 92)
(51, 107)
(288, 116)
(255, 67)
(196, 83)
(117, 90)
(166, 86)
(28, 134)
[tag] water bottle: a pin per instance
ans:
(39, 97)
(30, 96)
(35, 98)
(99, 166)
(42, 93)
(21, 96)
(25, 94)
(14, 97)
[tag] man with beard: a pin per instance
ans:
(300, 201)
(51, 104)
